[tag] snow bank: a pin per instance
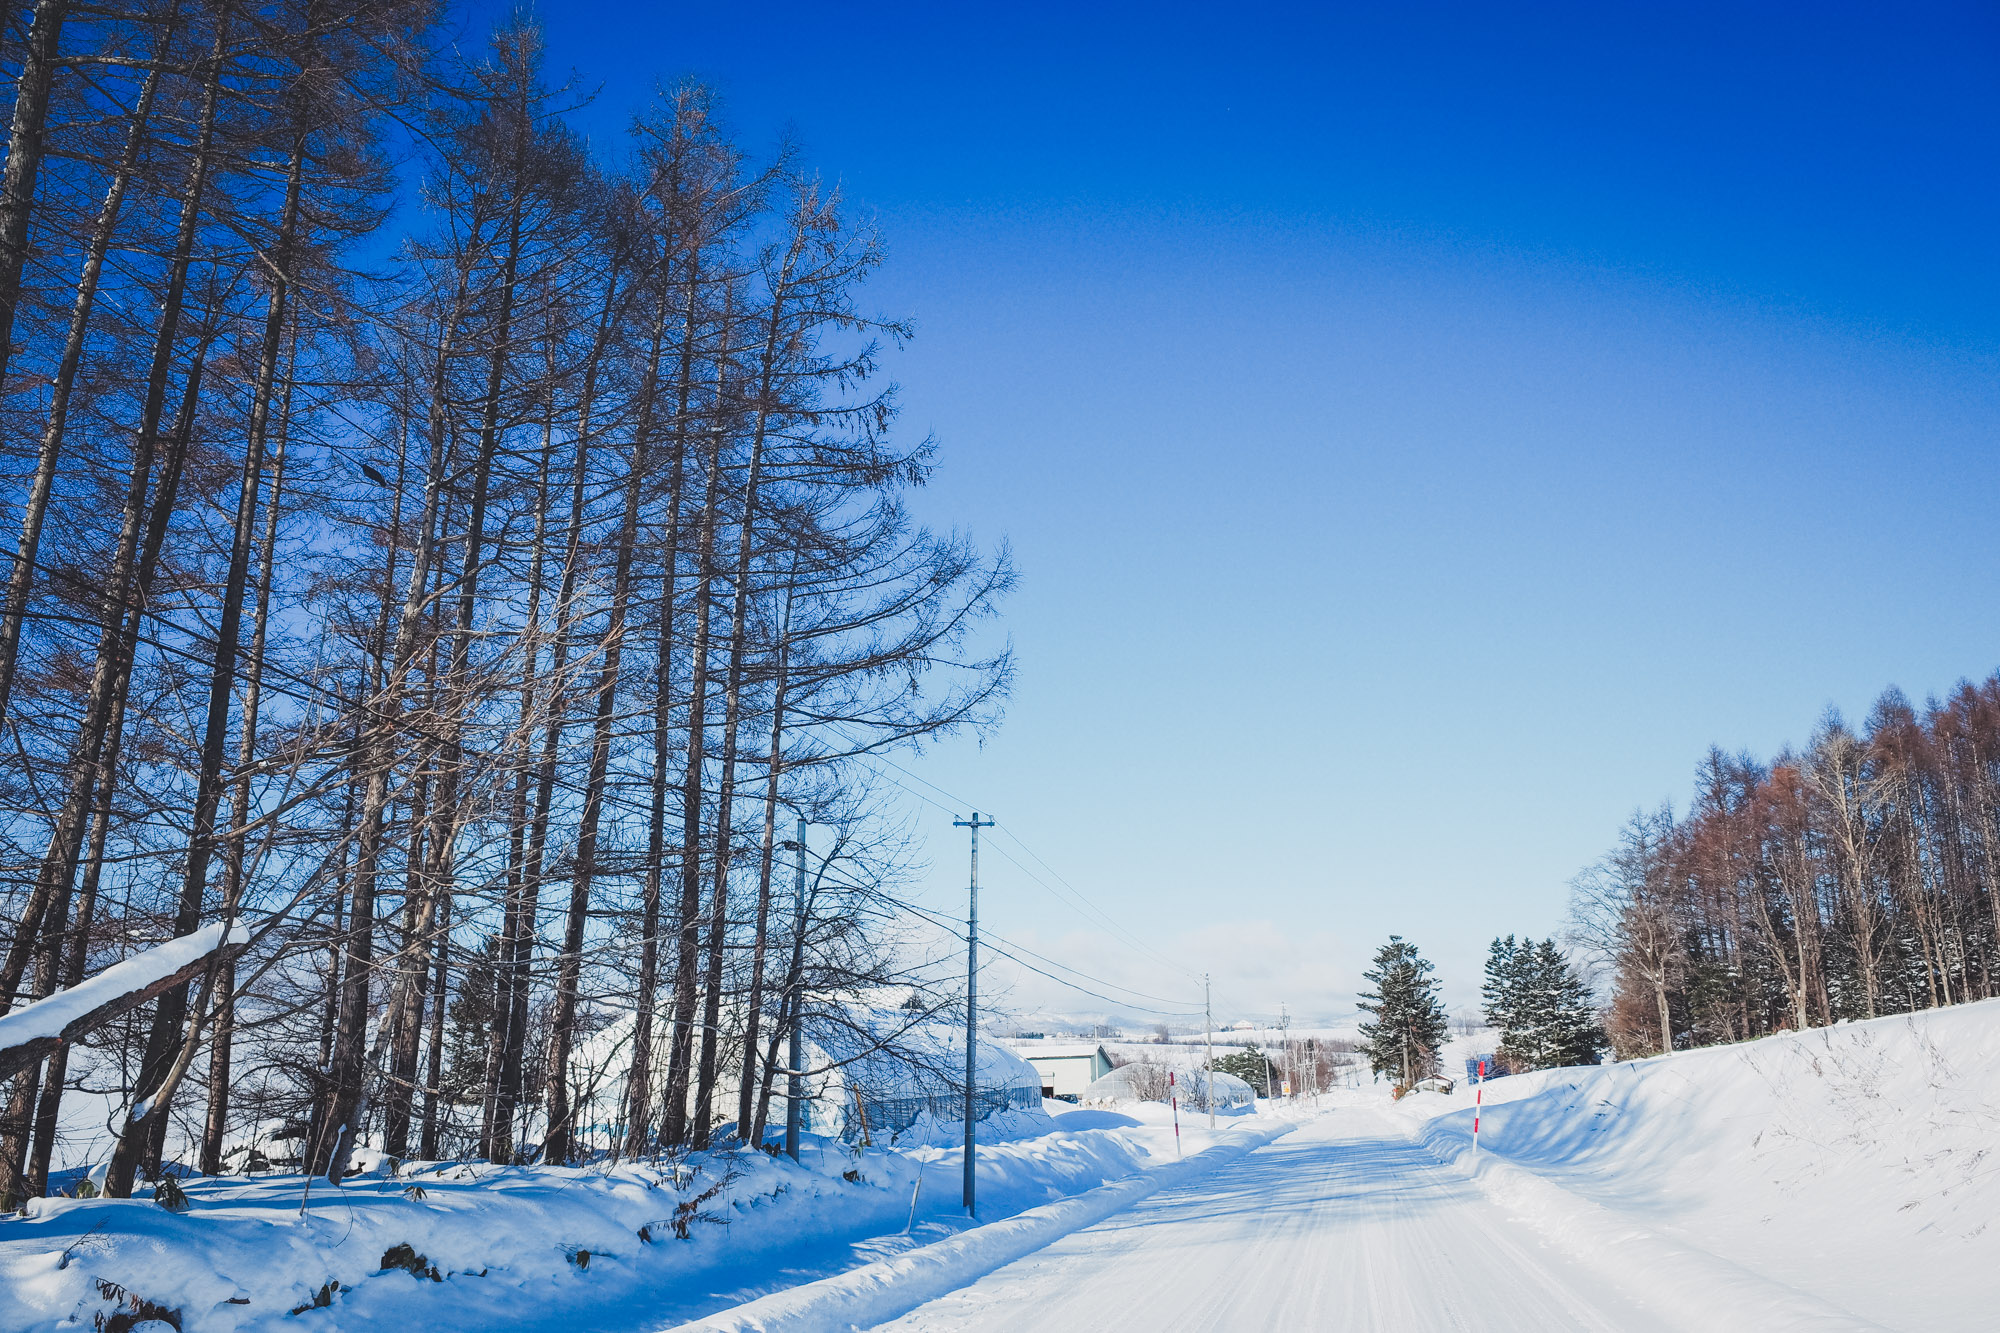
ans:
(477, 1247)
(890, 1288)
(1838, 1178)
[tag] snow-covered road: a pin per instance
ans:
(1344, 1224)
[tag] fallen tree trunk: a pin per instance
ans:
(34, 1032)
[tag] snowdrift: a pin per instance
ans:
(1854, 1166)
(447, 1246)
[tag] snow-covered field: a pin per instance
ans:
(1836, 1179)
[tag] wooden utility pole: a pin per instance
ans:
(971, 998)
(1208, 1035)
(1290, 1066)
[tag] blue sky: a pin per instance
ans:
(1421, 433)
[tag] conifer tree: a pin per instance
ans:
(1501, 992)
(1543, 1010)
(1248, 1064)
(1409, 1025)
(1569, 1031)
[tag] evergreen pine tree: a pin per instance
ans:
(1535, 1006)
(1544, 1011)
(1570, 1031)
(1515, 1002)
(1249, 1065)
(1409, 1025)
(1500, 992)
(472, 1012)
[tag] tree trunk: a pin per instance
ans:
(559, 1146)
(331, 993)
(513, 1066)
(768, 1070)
(148, 1139)
(639, 1079)
(341, 1119)
(17, 194)
(681, 1056)
(1666, 1014)
(221, 1039)
(24, 162)
(639, 1092)
(496, 1121)
(65, 840)
(21, 579)
(121, 657)
(373, 686)
(792, 1009)
(427, 1144)
(445, 810)
(48, 1110)
(732, 712)
(774, 766)
(415, 959)
(17, 1120)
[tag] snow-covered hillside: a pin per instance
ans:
(1858, 1166)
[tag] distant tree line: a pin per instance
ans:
(460, 551)
(1856, 877)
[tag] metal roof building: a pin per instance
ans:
(1066, 1067)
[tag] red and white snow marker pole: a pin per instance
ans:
(1174, 1100)
(1478, 1100)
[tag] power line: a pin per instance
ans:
(951, 926)
(870, 758)
(1091, 912)
(1163, 999)
(1076, 899)
(1124, 1004)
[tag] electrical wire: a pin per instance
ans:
(994, 944)
(1101, 918)
(951, 926)
(1008, 832)
(1075, 898)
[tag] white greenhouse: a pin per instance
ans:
(871, 1074)
(878, 1074)
(1143, 1081)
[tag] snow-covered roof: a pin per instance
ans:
(1147, 1083)
(885, 1048)
(1066, 1050)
